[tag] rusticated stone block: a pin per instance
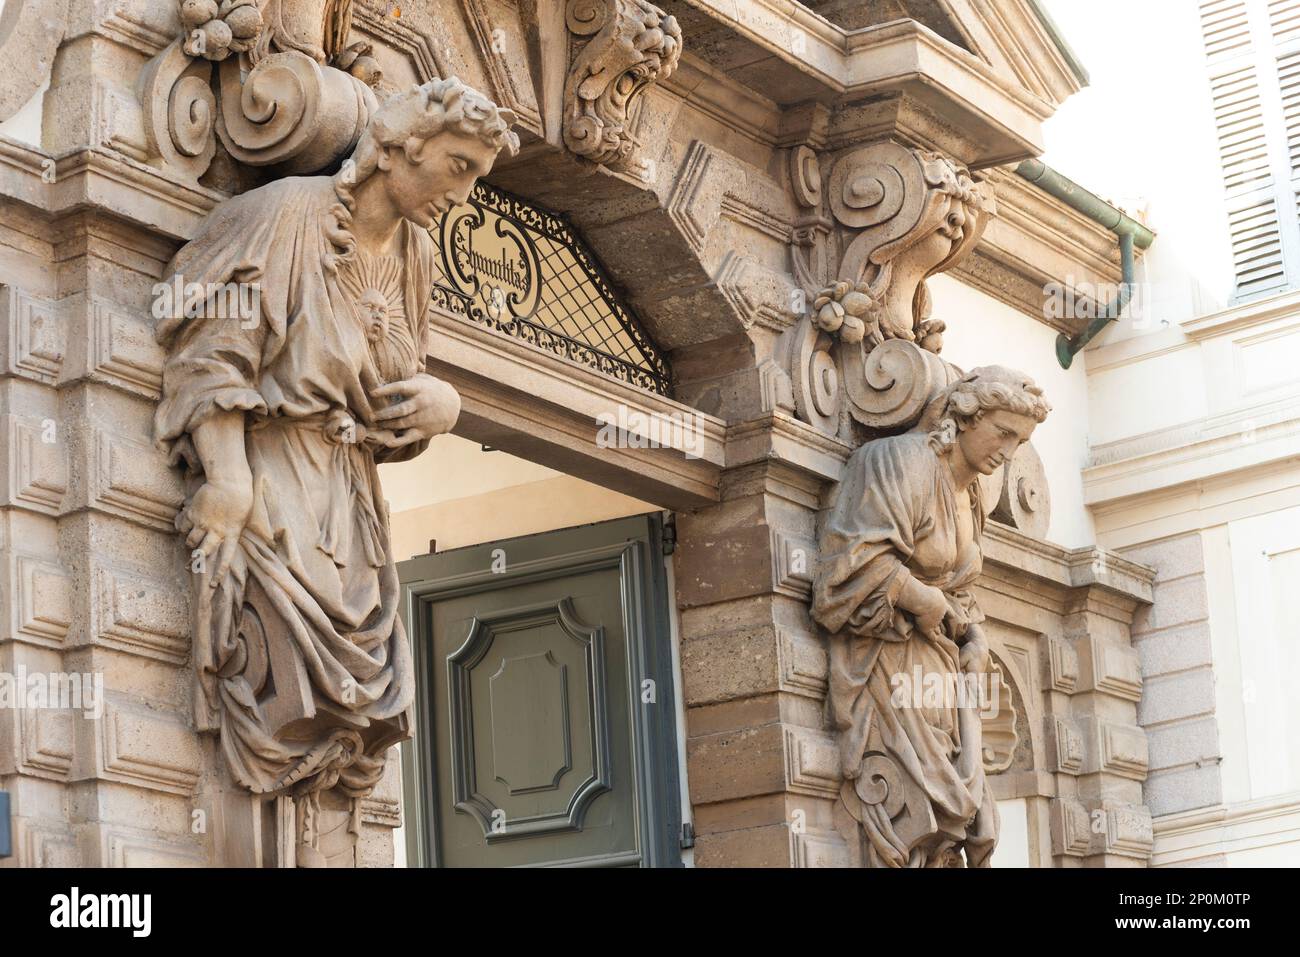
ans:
(736, 764)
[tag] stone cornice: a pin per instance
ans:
(1072, 568)
(998, 96)
(1243, 316)
(1036, 240)
(105, 179)
(1199, 451)
(1188, 836)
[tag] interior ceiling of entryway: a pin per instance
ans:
(856, 14)
(524, 271)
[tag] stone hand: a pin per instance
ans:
(427, 407)
(213, 519)
(927, 604)
(975, 652)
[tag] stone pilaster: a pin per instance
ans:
(1095, 745)
(763, 770)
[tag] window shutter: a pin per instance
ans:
(1256, 248)
(1239, 122)
(1226, 28)
(1284, 19)
(1252, 48)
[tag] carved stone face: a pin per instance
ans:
(374, 313)
(447, 167)
(989, 440)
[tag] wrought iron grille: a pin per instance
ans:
(523, 271)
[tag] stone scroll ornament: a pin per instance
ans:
(620, 47)
(279, 415)
(919, 707)
(897, 215)
(274, 82)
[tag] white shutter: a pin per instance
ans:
(1239, 122)
(1284, 19)
(1257, 248)
(1288, 79)
(1226, 28)
(1253, 51)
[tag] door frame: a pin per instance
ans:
(636, 549)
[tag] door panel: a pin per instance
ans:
(534, 746)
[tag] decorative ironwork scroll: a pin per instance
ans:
(523, 271)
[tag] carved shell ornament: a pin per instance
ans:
(276, 82)
(897, 215)
(633, 44)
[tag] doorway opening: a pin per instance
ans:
(548, 718)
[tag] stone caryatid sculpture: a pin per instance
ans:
(280, 418)
(897, 558)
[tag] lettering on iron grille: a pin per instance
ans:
(522, 271)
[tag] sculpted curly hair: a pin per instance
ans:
(410, 119)
(986, 389)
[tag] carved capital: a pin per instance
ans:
(620, 48)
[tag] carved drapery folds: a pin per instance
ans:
(620, 47)
(280, 420)
(277, 83)
(920, 708)
(887, 217)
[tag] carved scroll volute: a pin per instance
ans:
(277, 100)
(891, 387)
(633, 44)
(917, 214)
(179, 110)
(291, 112)
(1023, 498)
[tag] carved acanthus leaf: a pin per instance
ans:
(632, 45)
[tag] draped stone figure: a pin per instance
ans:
(897, 557)
(280, 416)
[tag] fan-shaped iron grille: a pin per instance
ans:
(523, 271)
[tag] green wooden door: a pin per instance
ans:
(545, 712)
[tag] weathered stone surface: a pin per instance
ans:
(303, 666)
(909, 514)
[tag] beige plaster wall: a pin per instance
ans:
(1199, 476)
(461, 495)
